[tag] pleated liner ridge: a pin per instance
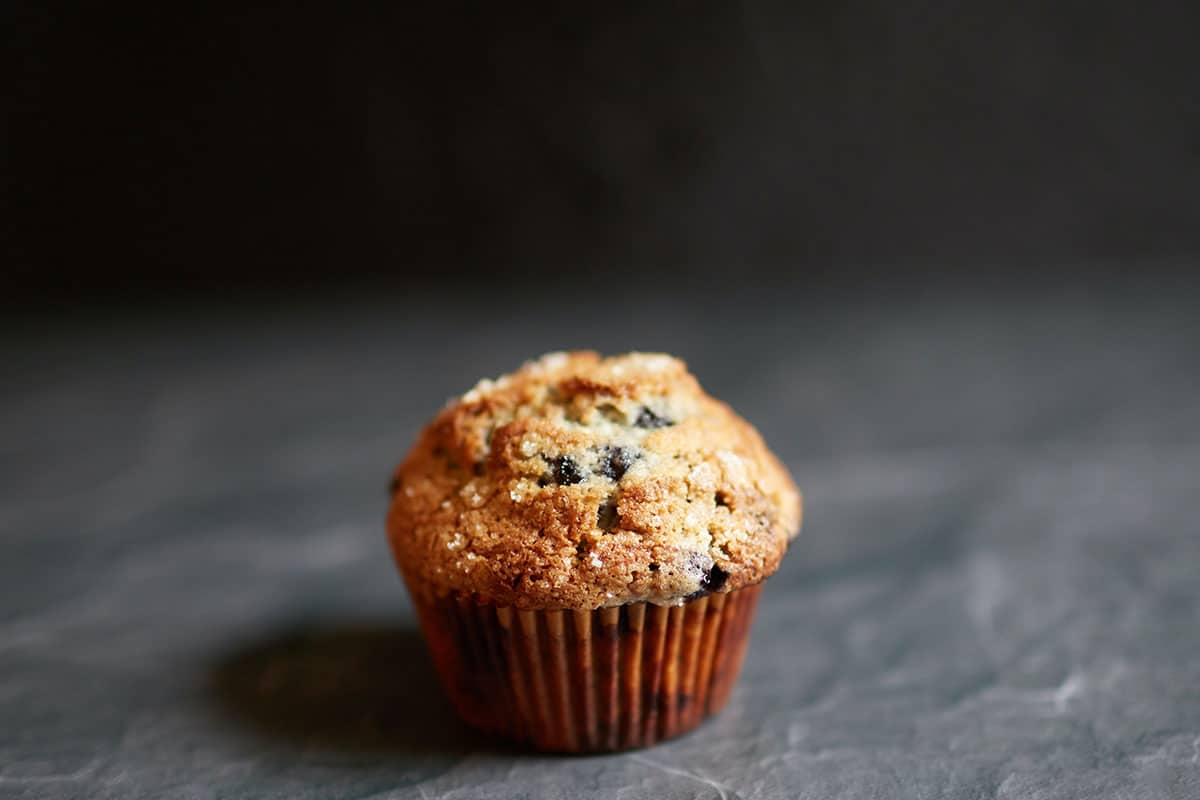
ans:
(579, 681)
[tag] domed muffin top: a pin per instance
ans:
(579, 481)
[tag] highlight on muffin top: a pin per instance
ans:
(579, 481)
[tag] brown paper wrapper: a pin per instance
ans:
(586, 681)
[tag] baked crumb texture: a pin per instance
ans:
(579, 482)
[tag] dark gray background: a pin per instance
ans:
(151, 149)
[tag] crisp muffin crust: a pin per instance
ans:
(578, 482)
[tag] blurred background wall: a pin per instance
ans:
(153, 151)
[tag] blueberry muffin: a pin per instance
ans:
(584, 541)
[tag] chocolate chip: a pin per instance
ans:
(653, 567)
(649, 420)
(615, 461)
(479, 467)
(567, 472)
(722, 500)
(714, 579)
(606, 515)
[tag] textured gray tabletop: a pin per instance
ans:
(996, 594)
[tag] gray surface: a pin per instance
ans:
(996, 593)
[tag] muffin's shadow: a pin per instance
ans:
(349, 687)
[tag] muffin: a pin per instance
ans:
(585, 541)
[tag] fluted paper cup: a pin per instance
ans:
(587, 681)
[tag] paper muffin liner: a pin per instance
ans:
(584, 681)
